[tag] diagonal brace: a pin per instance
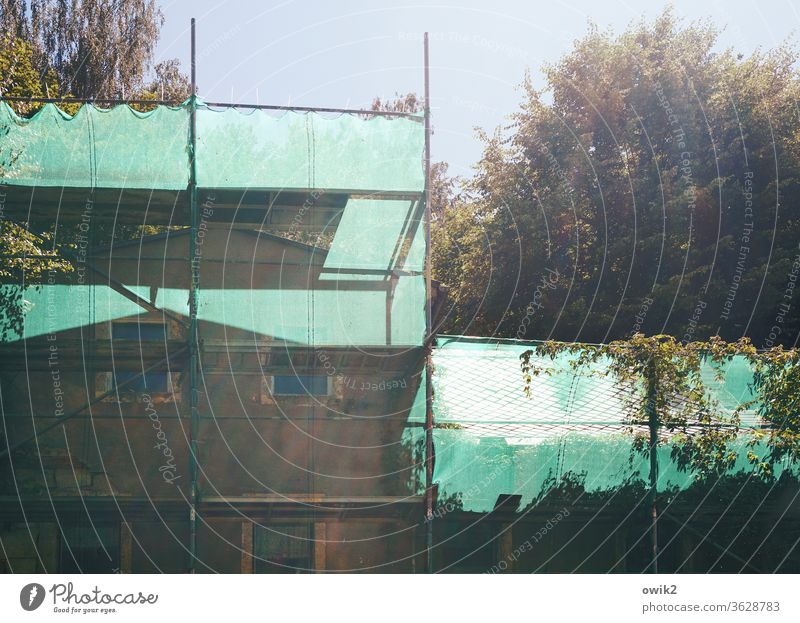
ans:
(129, 294)
(63, 419)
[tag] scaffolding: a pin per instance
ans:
(292, 270)
(342, 194)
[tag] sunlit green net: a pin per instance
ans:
(491, 439)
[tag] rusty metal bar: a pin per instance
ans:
(194, 270)
(129, 294)
(652, 417)
(78, 100)
(428, 326)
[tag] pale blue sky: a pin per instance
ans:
(343, 53)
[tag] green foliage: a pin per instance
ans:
(777, 381)
(95, 48)
(408, 103)
(53, 49)
(661, 384)
(90, 49)
(17, 244)
(646, 174)
(19, 77)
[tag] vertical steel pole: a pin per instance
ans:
(652, 420)
(428, 328)
(193, 287)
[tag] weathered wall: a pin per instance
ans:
(347, 445)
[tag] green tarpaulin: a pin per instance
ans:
(491, 439)
(252, 149)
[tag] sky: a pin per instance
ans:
(344, 53)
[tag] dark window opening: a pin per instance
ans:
(151, 382)
(89, 548)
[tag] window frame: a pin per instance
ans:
(302, 394)
(138, 324)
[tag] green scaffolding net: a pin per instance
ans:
(96, 148)
(264, 149)
(310, 254)
(492, 440)
(338, 201)
(121, 148)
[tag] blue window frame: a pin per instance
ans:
(151, 382)
(143, 331)
(300, 385)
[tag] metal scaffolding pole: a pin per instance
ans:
(652, 420)
(194, 267)
(136, 102)
(428, 329)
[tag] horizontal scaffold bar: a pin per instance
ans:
(147, 102)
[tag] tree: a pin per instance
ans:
(18, 77)
(662, 386)
(777, 383)
(96, 49)
(168, 83)
(408, 103)
(666, 400)
(652, 190)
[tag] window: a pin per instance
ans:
(300, 385)
(142, 331)
(89, 548)
(155, 383)
(283, 548)
(151, 382)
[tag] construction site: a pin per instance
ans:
(254, 382)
